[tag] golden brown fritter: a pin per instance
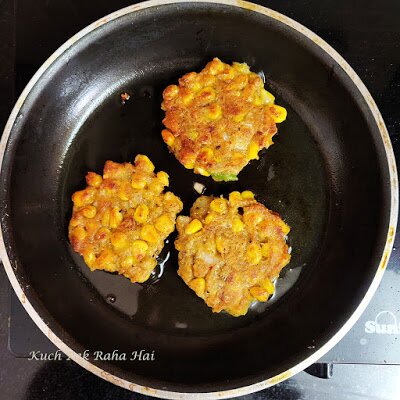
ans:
(218, 120)
(120, 221)
(231, 250)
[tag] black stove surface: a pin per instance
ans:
(367, 35)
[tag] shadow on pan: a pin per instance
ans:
(326, 174)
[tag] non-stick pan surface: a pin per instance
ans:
(330, 174)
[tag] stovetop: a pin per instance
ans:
(366, 33)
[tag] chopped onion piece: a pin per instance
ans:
(199, 187)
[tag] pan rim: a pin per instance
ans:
(380, 268)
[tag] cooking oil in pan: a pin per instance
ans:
(165, 303)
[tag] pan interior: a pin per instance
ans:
(119, 131)
(326, 160)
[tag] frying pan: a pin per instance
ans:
(331, 175)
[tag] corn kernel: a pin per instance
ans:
(247, 195)
(234, 197)
(90, 258)
(79, 233)
(252, 218)
(188, 78)
(241, 67)
(103, 234)
(219, 205)
(238, 83)
(187, 98)
(168, 137)
(127, 262)
(144, 163)
(206, 154)
(93, 179)
(209, 218)
(237, 225)
(75, 221)
(139, 248)
(198, 285)
(215, 66)
(194, 226)
(252, 151)
(84, 197)
(259, 293)
(284, 227)
(277, 113)
(109, 187)
(123, 195)
(267, 97)
(208, 80)
(228, 74)
(148, 266)
(214, 111)
(195, 86)
(266, 250)
(170, 92)
(238, 310)
(219, 243)
(188, 160)
(142, 276)
(156, 186)
(138, 182)
(208, 94)
(192, 134)
(189, 165)
(239, 117)
(106, 260)
(163, 178)
(124, 192)
(201, 171)
(141, 213)
(89, 211)
(116, 217)
(119, 240)
(149, 234)
(236, 155)
(268, 285)
(258, 218)
(105, 219)
(92, 226)
(263, 230)
(164, 224)
(258, 101)
(173, 203)
(253, 254)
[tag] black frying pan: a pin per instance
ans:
(331, 175)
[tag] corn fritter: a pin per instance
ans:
(121, 219)
(231, 250)
(219, 119)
